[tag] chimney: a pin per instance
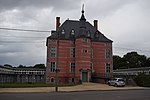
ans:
(96, 24)
(57, 23)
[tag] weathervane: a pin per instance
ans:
(83, 8)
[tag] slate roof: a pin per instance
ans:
(72, 29)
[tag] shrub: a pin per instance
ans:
(143, 80)
(24, 85)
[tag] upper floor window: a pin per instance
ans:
(91, 52)
(53, 51)
(72, 52)
(84, 51)
(107, 54)
(52, 66)
(72, 42)
(107, 68)
(85, 40)
(108, 44)
(52, 41)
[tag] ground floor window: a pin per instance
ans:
(72, 67)
(107, 69)
(52, 79)
(72, 80)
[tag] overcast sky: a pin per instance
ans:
(126, 22)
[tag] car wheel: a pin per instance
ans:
(116, 85)
(109, 84)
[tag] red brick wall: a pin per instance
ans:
(82, 60)
(99, 60)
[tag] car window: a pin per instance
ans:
(120, 79)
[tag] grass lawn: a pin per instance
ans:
(24, 85)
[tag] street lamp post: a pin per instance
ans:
(57, 70)
(56, 85)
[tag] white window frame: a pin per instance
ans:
(72, 67)
(52, 66)
(52, 41)
(85, 40)
(53, 51)
(72, 52)
(84, 51)
(107, 68)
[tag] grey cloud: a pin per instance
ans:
(104, 8)
(38, 4)
(7, 48)
(119, 19)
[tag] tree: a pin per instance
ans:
(130, 60)
(116, 61)
(21, 66)
(8, 65)
(142, 80)
(42, 66)
(147, 62)
(135, 60)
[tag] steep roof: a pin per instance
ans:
(72, 29)
(89, 31)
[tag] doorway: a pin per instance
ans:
(84, 76)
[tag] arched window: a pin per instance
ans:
(88, 33)
(97, 34)
(52, 79)
(72, 32)
(72, 80)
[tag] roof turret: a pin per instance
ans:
(82, 16)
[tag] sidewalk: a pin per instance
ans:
(82, 87)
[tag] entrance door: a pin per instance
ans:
(84, 76)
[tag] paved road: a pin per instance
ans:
(86, 95)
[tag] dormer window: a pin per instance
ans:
(63, 31)
(88, 33)
(96, 34)
(72, 32)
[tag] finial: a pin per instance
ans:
(83, 8)
(82, 16)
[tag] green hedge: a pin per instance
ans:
(24, 85)
(143, 80)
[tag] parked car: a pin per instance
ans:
(116, 82)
